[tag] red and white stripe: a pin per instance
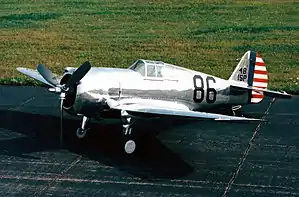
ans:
(260, 79)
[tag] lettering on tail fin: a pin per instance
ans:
(242, 76)
(251, 71)
(241, 71)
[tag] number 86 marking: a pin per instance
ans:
(198, 95)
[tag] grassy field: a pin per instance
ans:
(203, 35)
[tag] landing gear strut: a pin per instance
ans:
(235, 109)
(127, 123)
(81, 131)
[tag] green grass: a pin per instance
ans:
(207, 36)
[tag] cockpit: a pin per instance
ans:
(158, 69)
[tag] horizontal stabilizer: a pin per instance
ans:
(266, 92)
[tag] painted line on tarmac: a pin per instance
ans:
(58, 177)
(22, 104)
(246, 152)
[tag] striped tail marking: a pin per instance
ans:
(260, 79)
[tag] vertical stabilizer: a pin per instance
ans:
(251, 71)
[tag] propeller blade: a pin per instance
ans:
(47, 74)
(61, 121)
(62, 95)
(79, 74)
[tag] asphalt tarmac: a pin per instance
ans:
(186, 158)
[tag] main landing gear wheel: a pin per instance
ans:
(81, 133)
(130, 146)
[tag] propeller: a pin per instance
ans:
(79, 74)
(62, 97)
(63, 89)
(47, 74)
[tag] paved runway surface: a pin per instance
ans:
(187, 159)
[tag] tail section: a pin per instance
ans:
(251, 71)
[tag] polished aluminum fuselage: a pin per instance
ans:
(127, 86)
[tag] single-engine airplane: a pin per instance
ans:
(155, 89)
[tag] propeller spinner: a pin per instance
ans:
(65, 88)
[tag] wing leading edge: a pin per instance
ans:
(154, 110)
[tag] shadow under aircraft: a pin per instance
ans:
(103, 144)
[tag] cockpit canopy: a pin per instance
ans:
(158, 69)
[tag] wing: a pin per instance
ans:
(33, 74)
(142, 109)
